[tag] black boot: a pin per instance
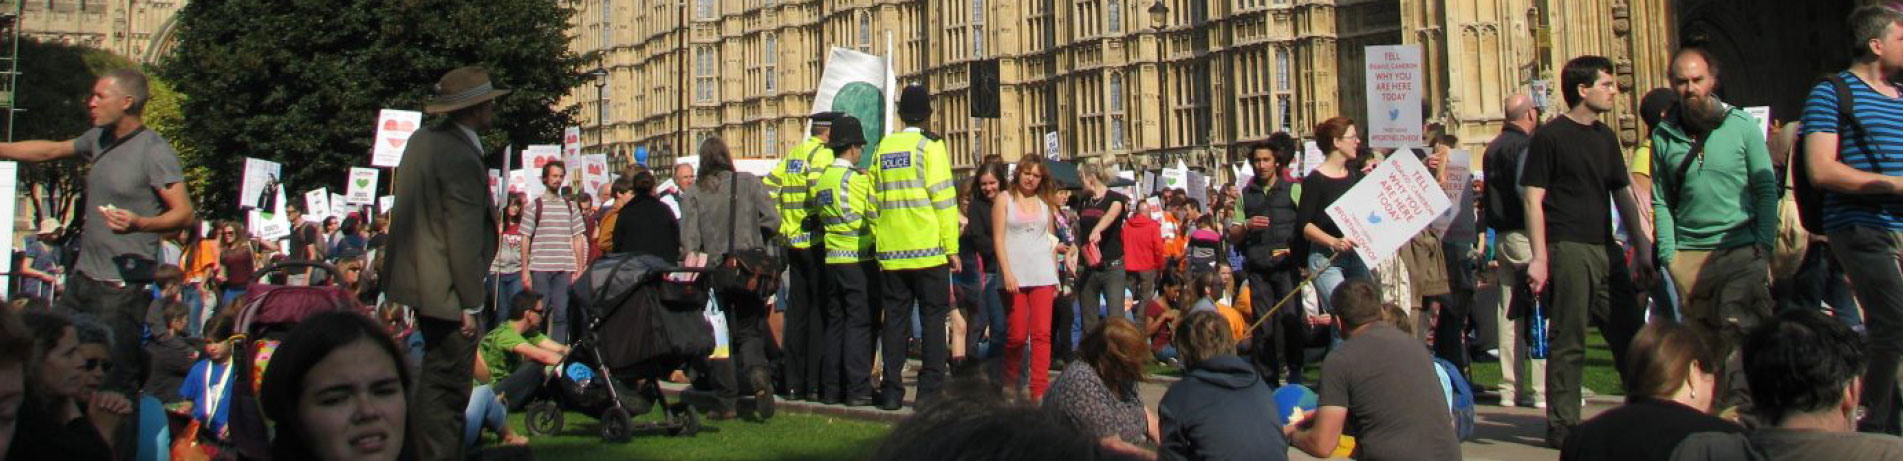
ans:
(762, 381)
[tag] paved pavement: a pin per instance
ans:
(1500, 433)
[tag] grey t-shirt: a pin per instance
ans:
(1395, 406)
(128, 177)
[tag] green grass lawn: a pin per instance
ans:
(787, 436)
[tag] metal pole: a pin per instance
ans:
(13, 68)
(680, 120)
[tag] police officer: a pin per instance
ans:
(842, 199)
(789, 182)
(917, 228)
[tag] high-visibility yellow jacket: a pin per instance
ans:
(788, 187)
(917, 224)
(842, 198)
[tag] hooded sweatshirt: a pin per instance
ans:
(1728, 197)
(1142, 244)
(1220, 410)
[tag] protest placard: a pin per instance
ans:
(363, 186)
(260, 184)
(1394, 96)
(317, 205)
(1458, 186)
(1389, 206)
(571, 142)
(394, 128)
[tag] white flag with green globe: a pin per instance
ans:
(863, 86)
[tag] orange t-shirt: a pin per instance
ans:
(201, 261)
(1236, 325)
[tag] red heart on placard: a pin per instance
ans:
(397, 142)
(541, 162)
(398, 126)
(572, 138)
(594, 169)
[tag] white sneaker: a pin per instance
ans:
(1540, 404)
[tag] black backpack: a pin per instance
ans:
(1810, 201)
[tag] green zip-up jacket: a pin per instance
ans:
(1729, 197)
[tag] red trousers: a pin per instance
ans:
(1030, 321)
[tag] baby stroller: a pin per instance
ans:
(631, 323)
(267, 313)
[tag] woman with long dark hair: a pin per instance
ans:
(976, 247)
(337, 390)
(727, 211)
(505, 272)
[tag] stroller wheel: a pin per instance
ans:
(543, 418)
(616, 425)
(684, 422)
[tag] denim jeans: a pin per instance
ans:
(1100, 288)
(502, 290)
(989, 314)
(1328, 276)
(485, 411)
(554, 289)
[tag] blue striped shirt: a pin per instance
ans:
(1882, 116)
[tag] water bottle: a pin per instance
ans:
(1536, 322)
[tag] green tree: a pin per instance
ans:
(300, 81)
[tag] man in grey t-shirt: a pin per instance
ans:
(134, 193)
(1381, 386)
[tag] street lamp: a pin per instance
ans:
(1159, 16)
(601, 109)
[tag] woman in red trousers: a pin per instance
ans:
(1022, 222)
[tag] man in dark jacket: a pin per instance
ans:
(1264, 224)
(1222, 409)
(442, 239)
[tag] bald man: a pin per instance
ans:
(1523, 379)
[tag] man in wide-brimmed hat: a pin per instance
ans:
(442, 239)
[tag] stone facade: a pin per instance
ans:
(137, 29)
(1211, 76)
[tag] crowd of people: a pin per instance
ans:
(1036, 296)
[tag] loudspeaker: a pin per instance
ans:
(984, 88)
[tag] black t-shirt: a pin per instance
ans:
(1318, 192)
(1093, 211)
(1505, 210)
(1579, 166)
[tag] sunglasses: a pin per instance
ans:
(96, 365)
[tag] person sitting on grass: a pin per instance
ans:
(1221, 409)
(517, 352)
(486, 411)
(1162, 316)
(1098, 394)
(1209, 289)
(1380, 384)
